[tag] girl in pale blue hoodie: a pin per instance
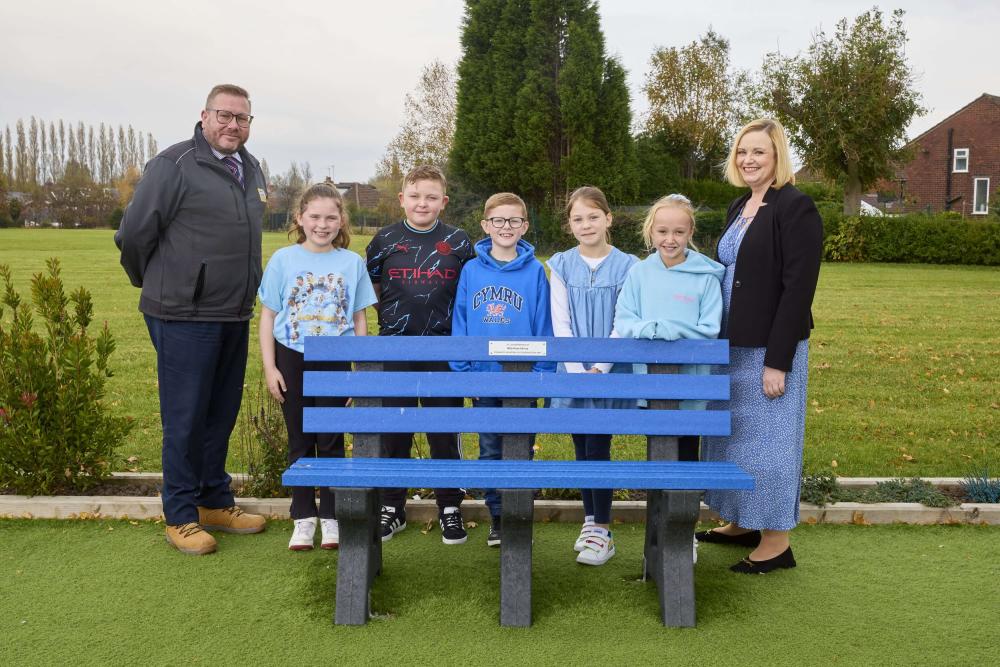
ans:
(674, 293)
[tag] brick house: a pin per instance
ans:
(956, 163)
(361, 195)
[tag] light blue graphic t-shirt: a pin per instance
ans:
(314, 294)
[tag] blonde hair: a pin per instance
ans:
(679, 202)
(503, 199)
(783, 173)
(321, 191)
(588, 194)
(425, 172)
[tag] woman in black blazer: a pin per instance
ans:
(771, 248)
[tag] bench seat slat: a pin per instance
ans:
(516, 385)
(515, 420)
(363, 473)
(477, 348)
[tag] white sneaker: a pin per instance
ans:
(598, 548)
(331, 533)
(694, 551)
(588, 526)
(302, 536)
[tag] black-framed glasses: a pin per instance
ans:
(515, 223)
(226, 117)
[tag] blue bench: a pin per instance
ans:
(673, 487)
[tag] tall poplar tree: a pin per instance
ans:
(541, 109)
(8, 157)
(22, 173)
(55, 161)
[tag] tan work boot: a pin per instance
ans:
(189, 538)
(230, 520)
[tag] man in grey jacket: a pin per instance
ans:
(191, 239)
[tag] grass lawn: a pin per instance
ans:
(111, 592)
(904, 365)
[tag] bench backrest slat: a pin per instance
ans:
(483, 348)
(362, 473)
(515, 420)
(516, 385)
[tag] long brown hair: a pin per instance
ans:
(321, 191)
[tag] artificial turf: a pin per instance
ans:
(112, 592)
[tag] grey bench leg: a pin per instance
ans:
(515, 557)
(651, 553)
(674, 569)
(658, 448)
(516, 515)
(360, 558)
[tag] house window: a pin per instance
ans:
(981, 196)
(960, 164)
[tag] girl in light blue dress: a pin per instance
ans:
(585, 282)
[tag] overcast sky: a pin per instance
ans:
(328, 78)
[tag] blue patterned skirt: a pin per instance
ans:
(766, 441)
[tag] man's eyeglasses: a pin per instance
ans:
(515, 223)
(225, 117)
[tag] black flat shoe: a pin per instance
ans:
(749, 539)
(782, 560)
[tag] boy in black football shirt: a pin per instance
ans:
(414, 266)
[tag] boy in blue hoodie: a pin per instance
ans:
(502, 292)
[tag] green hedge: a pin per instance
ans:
(945, 238)
(626, 231)
(710, 193)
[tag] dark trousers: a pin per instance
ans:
(594, 447)
(200, 366)
(442, 445)
(326, 445)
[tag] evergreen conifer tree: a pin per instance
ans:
(541, 108)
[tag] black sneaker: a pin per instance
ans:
(452, 526)
(493, 539)
(392, 521)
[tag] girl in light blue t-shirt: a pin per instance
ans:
(316, 287)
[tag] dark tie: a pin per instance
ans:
(234, 167)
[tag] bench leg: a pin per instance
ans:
(651, 552)
(515, 557)
(674, 569)
(360, 559)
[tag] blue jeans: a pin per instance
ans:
(491, 449)
(200, 366)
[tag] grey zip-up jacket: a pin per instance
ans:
(191, 236)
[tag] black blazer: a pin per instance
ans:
(776, 272)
